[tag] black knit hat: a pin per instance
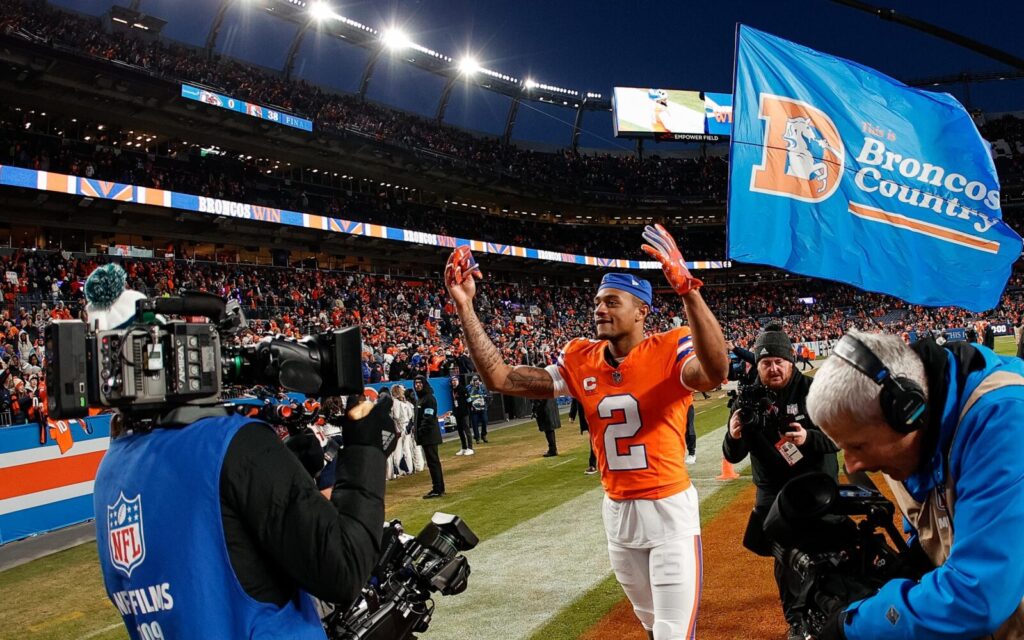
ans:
(773, 343)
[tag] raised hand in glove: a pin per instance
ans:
(834, 627)
(662, 248)
(461, 274)
(370, 425)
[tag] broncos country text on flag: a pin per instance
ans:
(840, 172)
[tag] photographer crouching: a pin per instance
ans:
(769, 421)
(207, 527)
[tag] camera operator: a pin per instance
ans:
(946, 427)
(209, 527)
(781, 440)
(235, 532)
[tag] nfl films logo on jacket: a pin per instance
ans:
(840, 172)
(125, 534)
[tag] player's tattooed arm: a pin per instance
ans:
(460, 276)
(497, 375)
(532, 382)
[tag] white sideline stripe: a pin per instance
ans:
(41, 454)
(528, 574)
(562, 462)
(100, 631)
(513, 481)
(40, 498)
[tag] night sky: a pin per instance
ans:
(593, 45)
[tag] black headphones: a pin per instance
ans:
(902, 400)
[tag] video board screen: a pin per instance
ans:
(671, 114)
(241, 106)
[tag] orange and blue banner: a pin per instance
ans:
(90, 188)
(841, 172)
(44, 488)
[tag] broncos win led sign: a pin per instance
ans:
(669, 114)
(241, 106)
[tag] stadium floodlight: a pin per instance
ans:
(395, 39)
(530, 83)
(469, 66)
(321, 11)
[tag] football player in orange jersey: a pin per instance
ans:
(635, 392)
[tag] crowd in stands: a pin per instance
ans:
(566, 171)
(240, 180)
(1006, 134)
(55, 143)
(409, 326)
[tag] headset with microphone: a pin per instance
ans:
(902, 400)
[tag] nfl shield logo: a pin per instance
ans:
(124, 527)
(616, 377)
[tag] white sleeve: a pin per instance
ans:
(561, 388)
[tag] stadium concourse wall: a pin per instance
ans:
(42, 489)
(92, 188)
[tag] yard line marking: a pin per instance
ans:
(100, 631)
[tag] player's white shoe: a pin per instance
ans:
(469, 452)
(691, 459)
(461, 452)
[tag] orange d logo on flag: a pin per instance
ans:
(803, 154)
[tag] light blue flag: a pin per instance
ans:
(841, 172)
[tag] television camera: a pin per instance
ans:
(159, 373)
(758, 407)
(155, 371)
(837, 543)
(396, 603)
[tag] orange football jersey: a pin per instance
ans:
(636, 412)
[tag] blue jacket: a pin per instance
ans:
(982, 582)
(161, 541)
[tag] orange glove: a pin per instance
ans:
(461, 265)
(663, 248)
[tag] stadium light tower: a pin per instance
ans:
(530, 83)
(395, 39)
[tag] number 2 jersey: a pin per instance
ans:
(636, 411)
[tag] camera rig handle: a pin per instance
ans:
(227, 315)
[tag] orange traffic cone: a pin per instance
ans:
(728, 473)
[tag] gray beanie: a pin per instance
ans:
(773, 343)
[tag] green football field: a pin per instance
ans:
(540, 571)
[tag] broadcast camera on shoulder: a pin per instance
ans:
(154, 372)
(837, 544)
